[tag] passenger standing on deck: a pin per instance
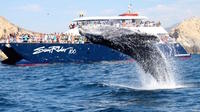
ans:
(34, 39)
(11, 38)
(58, 38)
(39, 39)
(29, 38)
(69, 38)
(72, 39)
(54, 38)
(25, 38)
(45, 38)
(17, 38)
(49, 38)
(62, 38)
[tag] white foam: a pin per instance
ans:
(150, 83)
(159, 86)
(149, 88)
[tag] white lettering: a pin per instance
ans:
(52, 49)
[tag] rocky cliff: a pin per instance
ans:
(188, 34)
(7, 28)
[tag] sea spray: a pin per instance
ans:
(150, 83)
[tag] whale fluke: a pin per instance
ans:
(141, 47)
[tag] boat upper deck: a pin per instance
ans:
(117, 21)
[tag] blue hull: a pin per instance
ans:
(40, 53)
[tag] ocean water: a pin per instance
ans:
(97, 87)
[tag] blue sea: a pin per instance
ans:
(97, 87)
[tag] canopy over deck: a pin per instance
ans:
(101, 18)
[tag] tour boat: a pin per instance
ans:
(16, 53)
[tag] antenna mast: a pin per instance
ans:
(130, 7)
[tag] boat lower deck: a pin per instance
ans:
(42, 53)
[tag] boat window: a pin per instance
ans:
(133, 20)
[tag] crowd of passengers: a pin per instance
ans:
(70, 38)
(130, 23)
(43, 38)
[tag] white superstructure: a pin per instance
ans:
(127, 20)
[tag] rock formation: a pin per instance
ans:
(7, 28)
(188, 34)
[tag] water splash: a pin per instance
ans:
(167, 82)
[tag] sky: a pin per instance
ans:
(55, 15)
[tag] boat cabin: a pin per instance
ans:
(123, 20)
(132, 21)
